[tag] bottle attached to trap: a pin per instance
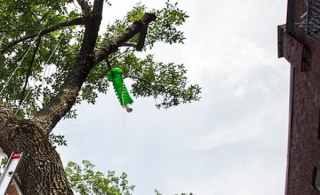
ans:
(115, 76)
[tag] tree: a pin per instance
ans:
(39, 35)
(86, 181)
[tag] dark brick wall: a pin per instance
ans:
(304, 156)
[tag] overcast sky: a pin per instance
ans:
(233, 141)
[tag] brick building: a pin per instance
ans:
(299, 43)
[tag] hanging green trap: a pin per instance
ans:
(115, 76)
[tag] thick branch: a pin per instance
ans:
(77, 21)
(112, 46)
(22, 30)
(51, 114)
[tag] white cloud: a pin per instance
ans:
(249, 127)
(240, 92)
(261, 109)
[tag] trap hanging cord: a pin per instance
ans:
(122, 136)
(19, 63)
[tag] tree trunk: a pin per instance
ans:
(41, 170)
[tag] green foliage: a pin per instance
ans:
(164, 82)
(165, 27)
(19, 19)
(85, 180)
(57, 53)
(3, 162)
(57, 140)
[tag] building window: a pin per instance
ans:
(313, 21)
(317, 178)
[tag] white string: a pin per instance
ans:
(121, 143)
(122, 135)
(46, 64)
(19, 63)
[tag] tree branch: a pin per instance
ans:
(13, 30)
(128, 44)
(112, 46)
(109, 67)
(77, 21)
(140, 79)
(108, 64)
(29, 71)
(149, 83)
(142, 37)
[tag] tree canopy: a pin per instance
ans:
(54, 55)
(41, 42)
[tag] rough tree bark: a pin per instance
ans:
(41, 171)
